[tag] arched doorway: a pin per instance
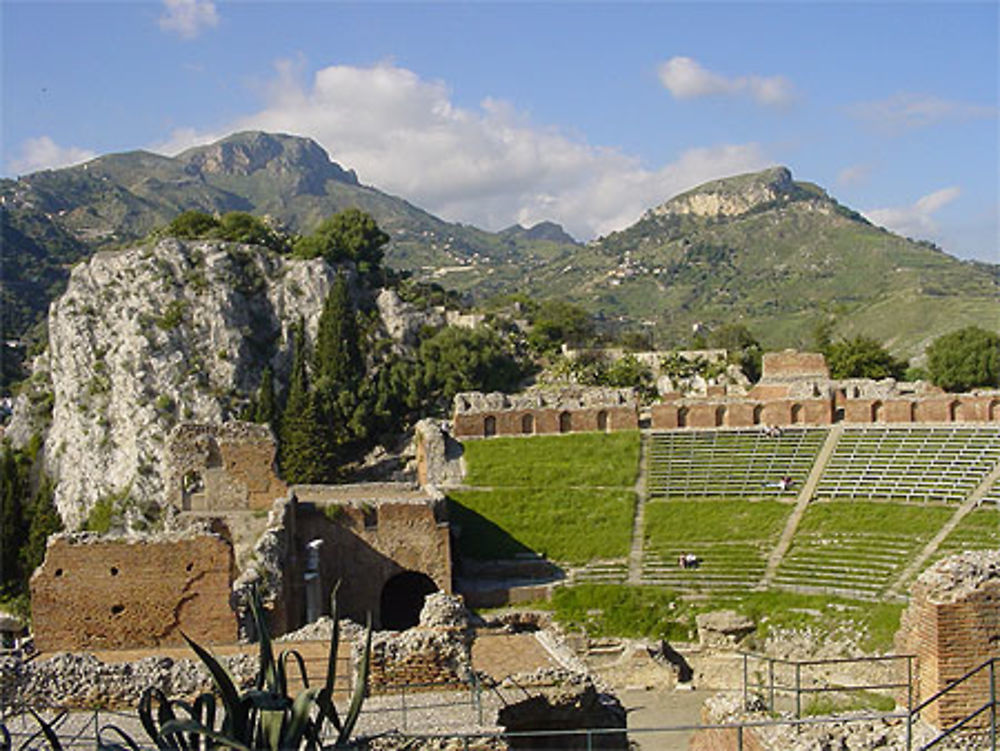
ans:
(720, 416)
(994, 413)
(602, 421)
(528, 424)
(490, 426)
(682, 417)
(758, 414)
(953, 411)
(796, 413)
(914, 412)
(878, 412)
(403, 598)
(565, 422)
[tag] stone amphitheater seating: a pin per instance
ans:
(730, 463)
(910, 464)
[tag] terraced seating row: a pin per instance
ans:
(992, 495)
(730, 463)
(980, 530)
(722, 568)
(856, 549)
(909, 463)
(601, 572)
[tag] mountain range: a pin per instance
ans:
(776, 254)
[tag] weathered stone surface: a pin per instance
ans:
(81, 680)
(222, 467)
(96, 592)
(150, 335)
(722, 629)
(402, 320)
(439, 456)
(442, 610)
(574, 703)
(952, 624)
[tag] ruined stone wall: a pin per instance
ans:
(674, 412)
(222, 467)
(370, 534)
(95, 592)
(568, 410)
(791, 364)
(952, 624)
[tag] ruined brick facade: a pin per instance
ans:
(97, 592)
(569, 410)
(952, 624)
(796, 389)
(375, 537)
(222, 467)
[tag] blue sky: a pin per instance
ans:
(495, 113)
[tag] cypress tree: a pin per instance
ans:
(337, 358)
(13, 489)
(298, 418)
(265, 409)
(44, 522)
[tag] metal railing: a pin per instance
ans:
(771, 686)
(990, 668)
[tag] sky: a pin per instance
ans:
(582, 113)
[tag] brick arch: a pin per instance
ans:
(878, 411)
(993, 413)
(682, 417)
(720, 416)
(528, 424)
(954, 410)
(489, 426)
(758, 414)
(602, 420)
(796, 413)
(565, 422)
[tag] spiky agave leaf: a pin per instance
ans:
(299, 720)
(325, 700)
(46, 729)
(267, 676)
(235, 719)
(127, 744)
(193, 727)
(360, 689)
(293, 654)
(164, 713)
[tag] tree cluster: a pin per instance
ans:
(27, 517)
(965, 359)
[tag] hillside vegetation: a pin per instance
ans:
(777, 255)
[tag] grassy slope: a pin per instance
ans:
(568, 497)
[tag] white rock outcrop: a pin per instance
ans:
(152, 335)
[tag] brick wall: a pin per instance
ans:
(419, 657)
(222, 467)
(953, 629)
(544, 421)
(107, 593)
(366, 542)
(791, 364)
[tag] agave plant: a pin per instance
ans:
(264, 718)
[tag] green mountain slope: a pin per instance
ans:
(762, 249)
(56, 217)
(779, 256)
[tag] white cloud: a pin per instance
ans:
(685, 78)
(905, 111)
(917, 219)
(489, 166)
(44, 153)
(856, 174)
(188, 18)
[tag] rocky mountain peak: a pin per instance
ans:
(737, 195)
(546, 231)
(244, 154)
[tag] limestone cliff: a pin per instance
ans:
(738, 195)
(149, 336)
